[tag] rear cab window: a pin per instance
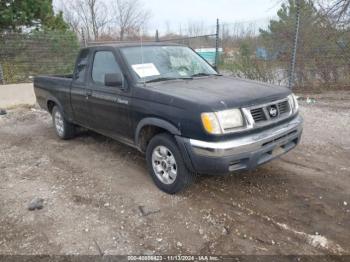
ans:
(81, 65)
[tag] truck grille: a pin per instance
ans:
(258, 114)
(283, 107)
(270, 112)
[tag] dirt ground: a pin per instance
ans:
(99, 197)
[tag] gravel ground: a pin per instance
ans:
(98, 197)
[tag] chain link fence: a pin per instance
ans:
(255, 50)
(247, 55)
(238, 49)
(250, 50)
(23, 56)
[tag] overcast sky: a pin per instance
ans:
(176, 12)
(181, 11)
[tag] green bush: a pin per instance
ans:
(39, 52)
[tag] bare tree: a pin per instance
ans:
(70, 16)
(91, 15)
(337, 10)
(195, 28)
(130, 16)
(168, 27)
(340, 10)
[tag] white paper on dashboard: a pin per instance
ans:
(145, 70)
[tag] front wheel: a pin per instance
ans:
(63, 128)
(166, 165)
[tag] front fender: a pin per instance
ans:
(153, 121)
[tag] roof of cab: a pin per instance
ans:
(131, 44)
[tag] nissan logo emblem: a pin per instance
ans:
(273, 111)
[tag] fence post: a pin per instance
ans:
(217, 45)
(295, 46)
(157, 36)
(2, 80)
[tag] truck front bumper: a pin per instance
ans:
(243, 153)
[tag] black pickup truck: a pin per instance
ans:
(168, 102)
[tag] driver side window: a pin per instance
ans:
(104, 63)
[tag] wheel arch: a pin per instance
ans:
(150, 126)
(51, 102)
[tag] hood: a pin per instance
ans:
(221, 92)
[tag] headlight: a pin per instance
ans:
(219, 122)
(211, 123)
(293, 101)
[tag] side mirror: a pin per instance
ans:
(114, 80)
(82, 63)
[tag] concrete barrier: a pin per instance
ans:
(17, 94)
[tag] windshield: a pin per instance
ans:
(165, 62)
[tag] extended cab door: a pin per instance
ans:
(79, 90)
(110, 105)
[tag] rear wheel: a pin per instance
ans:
(63, 128)
(166, 165)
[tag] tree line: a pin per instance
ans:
(323, 50)
(99, 19)
(264, 54)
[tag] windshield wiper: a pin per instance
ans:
(203, 74)
(159, 79)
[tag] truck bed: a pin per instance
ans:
(53, 86)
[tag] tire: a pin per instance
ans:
(161, 153)
(63, 128)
